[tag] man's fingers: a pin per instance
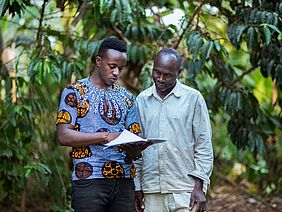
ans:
(138, 207)
(201, 206)
(191, 204)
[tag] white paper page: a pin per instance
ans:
(156, 140)
(124, 138)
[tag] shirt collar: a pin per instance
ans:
(176, 90)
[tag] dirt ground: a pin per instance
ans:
(223, 197)
(230, 198)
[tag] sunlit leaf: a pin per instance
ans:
(266, 34)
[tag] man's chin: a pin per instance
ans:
(161, 88)
(111, 82)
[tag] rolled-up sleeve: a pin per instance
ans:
(203, 157)
(138, 163)
(137, 179)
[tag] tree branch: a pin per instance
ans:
(83, 7)
(119, 32)
(197, 11)
(1, 62)
(228, 83)
(39, 32)
(242, 76)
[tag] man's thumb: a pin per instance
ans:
(191, 204)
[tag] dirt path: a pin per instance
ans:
(232, 199)
(224, 197)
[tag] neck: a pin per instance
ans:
(164, 93)
(98, 82)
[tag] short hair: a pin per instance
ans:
(109, 43)
(112, 43)
(171, 51)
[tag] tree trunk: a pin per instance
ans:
(23, 200)
(1, 63)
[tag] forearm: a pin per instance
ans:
(198, 183)
(73, 138)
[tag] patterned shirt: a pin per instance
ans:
(91, 109)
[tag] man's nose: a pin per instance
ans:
(161, 78)
(116, 71)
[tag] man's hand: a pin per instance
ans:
(198, 198)
(135, 149)
(139, 201)
(112, 136)
(108, 137)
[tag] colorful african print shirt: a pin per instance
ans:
(91, 109)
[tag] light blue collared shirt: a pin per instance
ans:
(182, 118)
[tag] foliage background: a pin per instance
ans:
(232, 53)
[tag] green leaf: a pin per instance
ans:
(272, 27)
(266, 34)
(20, 81)
(152, 32)
(239, 32)
(235, 33)
(126, 12)
(210, 47)
(217, 45)
(224, 50)
(119, 10)
(132, 51)
(109, 4)
(44, 168)
(2, 6)
(278, 71)
(142, 54)
(32, 71)
(114, 16)
(92, 48)
(252, 19)
(28, 108)
(102, 6)
(259, 144)
(194, 43)
(55, 72)
(134, 32)
(142, 34)
(250, 37)
(251, 141)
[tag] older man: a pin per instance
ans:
(174, 175)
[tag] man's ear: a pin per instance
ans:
(98, 61)
(180, 70)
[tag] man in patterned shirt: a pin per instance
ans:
(94, 111)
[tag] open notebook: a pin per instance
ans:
(127, 137)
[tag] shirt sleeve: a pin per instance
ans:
(67, 111)
(138, 163)
(132, 121)
(137, 179)
(203, 157)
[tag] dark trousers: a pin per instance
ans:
(103, 195)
